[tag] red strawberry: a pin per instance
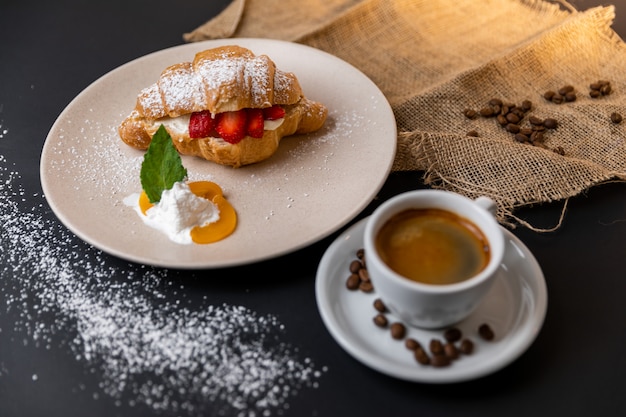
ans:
(274, 113)
(201, 124)
(255, 123)
(231, 125)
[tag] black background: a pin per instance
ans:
(50, 51)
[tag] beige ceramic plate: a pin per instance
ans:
(310, 188)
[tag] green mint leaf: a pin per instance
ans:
(161, 166)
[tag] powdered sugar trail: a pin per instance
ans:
(117, 322)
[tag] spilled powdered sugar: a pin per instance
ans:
(118, 323)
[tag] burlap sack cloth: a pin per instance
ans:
(433, 59)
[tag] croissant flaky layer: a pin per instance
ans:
(223, 79)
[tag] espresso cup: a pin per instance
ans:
(432, 255)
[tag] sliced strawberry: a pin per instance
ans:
(231, 125)
(201, 124)
(273, 113)
(255, 123)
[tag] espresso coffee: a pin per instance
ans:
(433, 246)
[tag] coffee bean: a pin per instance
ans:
(436, 347)
(470, 113)
(526, 131)
(472, 133)
(380, 320)
(557, 98)
(616, 118)
(421, 356)
(566, 89)
(366, 286)
(487, 112)
(521, 138)
(550, 123)
(353, 281)
(439, 361)
(355, 266)
(360, 254)
(559, 150)
(536, 137)
(466, 347)
(502, 120)
(412, 344)
(398, 330)
(569, 97)
(595, 86)
(605, 89)
(452, 335)
(548, 95)
(595, 94)
(485, 331)
(527, 105)
(380, 306)
(536, 121)
(364, 275)
(513, 118)
(495, 102)
(512, 128)
(451, 351)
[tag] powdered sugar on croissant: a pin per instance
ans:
(223, 80)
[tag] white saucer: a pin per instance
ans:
(515, 309)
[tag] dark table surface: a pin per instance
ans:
(55, 291)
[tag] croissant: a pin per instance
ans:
(212, 107)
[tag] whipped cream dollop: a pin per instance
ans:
(179, 211)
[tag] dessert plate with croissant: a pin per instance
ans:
(298, 140)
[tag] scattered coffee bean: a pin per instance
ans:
(569, 97)
(535, 121)
(470, 113)
(380, 320)
(616, 118)
(380, 306)
(495, 102)
(485, 331)
(600, 88)
(466, 347)
(366, 286)
(398, 330)
(421, 356)
(436, 347)
(355, 266)
(512, 118)
(557, 99)
(512, 128)
(452, 335)
(353, 281)
(527, 105)
(364, 275)
(451, 351)
(522, 138)
(439, 361)
(548, 95)
(559, 150)
(487, 112)
(412, 344)
(472, 133)
(360, 254)
(566, 89)
(550, 123)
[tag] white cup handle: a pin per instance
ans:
(487, 204)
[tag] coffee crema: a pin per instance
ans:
(433, 246)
